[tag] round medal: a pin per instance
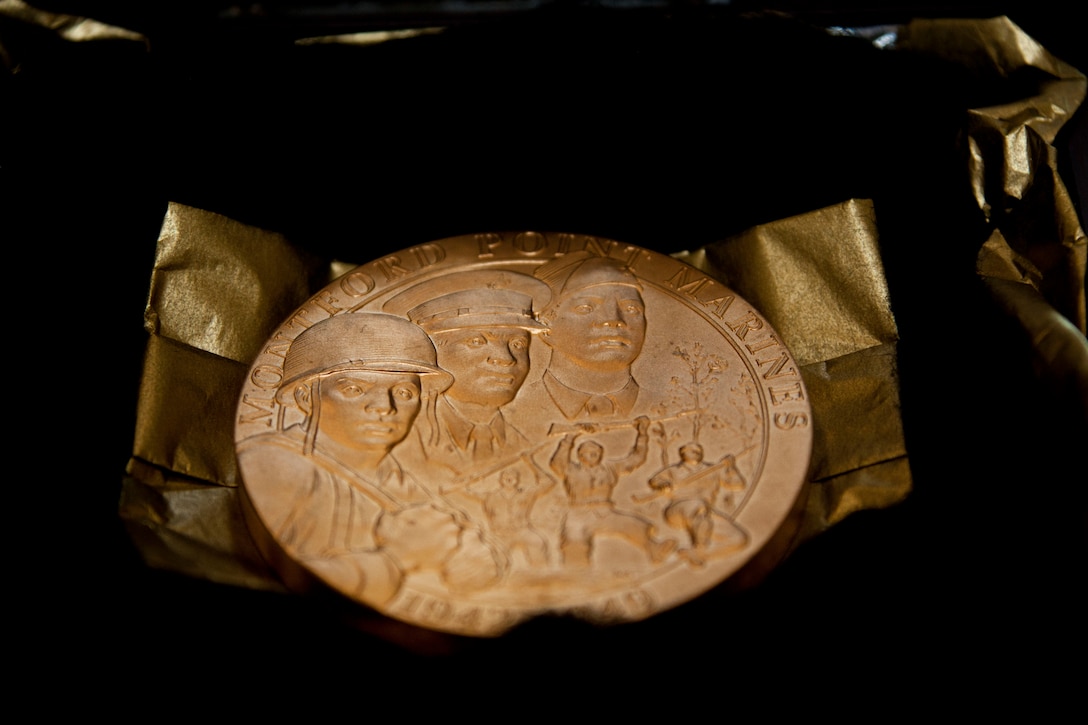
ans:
(487, 428)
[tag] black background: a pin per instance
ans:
(667, 127)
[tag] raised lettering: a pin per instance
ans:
(428, 254)
(744, 325)
(436, 609)
(776, 366)
(299, 319)
(565, 243)
(266, 377)
(755, 347)
(278, 345)
(261, 413)
(328, 303)
(612, 609)
(485, 243)
(720, 305)
(470, 617)
(632, 256)
(391, 267)
(602, 247)
(639, 601)
(681, 283)
(412, 601)
(788, 421)
(530, 243)
(783, 395)
(356, 283)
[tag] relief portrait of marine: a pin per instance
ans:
(478, 430)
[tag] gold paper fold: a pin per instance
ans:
(369, 38)
(817, 277)
(218, 289)
(819, 280)
(1034, 261)
(222, 286)
(191, 527)
(1012, 165)
(185, 413)
(1059, 351)
(70, 27)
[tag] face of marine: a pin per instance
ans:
(509, 479)
(601, 327)
(590, 454)
(488, 365)
(363, 409)
(691, 453)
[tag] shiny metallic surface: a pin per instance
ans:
(594, 430)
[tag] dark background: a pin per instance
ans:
(666, 126)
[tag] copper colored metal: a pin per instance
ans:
(483, 429)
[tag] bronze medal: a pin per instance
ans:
(487, 428)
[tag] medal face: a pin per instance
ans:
(483, 429)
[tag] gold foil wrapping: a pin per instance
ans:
(1035, 259)
(819, 279)
(1036, 237)
(218, 288)
(74, 28)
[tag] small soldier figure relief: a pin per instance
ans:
(508, 510)
(700, 494)
(589, 479)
